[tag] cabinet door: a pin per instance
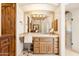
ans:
(36, 50)
(49, 47)
(36, 45)
(46, 45)
(43, 48)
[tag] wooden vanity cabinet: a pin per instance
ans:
(45, 45)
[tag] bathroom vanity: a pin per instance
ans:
(42, 43)
(45, 45)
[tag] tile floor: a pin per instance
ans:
(31, 54)
(71, 53)
(68, 53)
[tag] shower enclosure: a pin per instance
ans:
(68, 17)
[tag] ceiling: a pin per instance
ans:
(72, 6)
(40, 6)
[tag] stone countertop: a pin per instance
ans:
(38, 35)
(28, 36)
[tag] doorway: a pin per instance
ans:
(68, 17)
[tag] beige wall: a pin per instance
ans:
(19, 28)
(60, 15)
(62, 29)
(75, 30)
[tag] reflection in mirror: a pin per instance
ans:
(40, 23)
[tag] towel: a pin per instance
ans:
(28, 38)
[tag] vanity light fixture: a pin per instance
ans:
(38, 16)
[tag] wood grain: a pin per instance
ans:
(8, 24)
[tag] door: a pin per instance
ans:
(8, 23)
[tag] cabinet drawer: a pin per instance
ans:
(35, 39)
(36, 50)
(46, 40)
(56, 51)
(56, 43)
(56, 39)
(56, 46)
(36, 44)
